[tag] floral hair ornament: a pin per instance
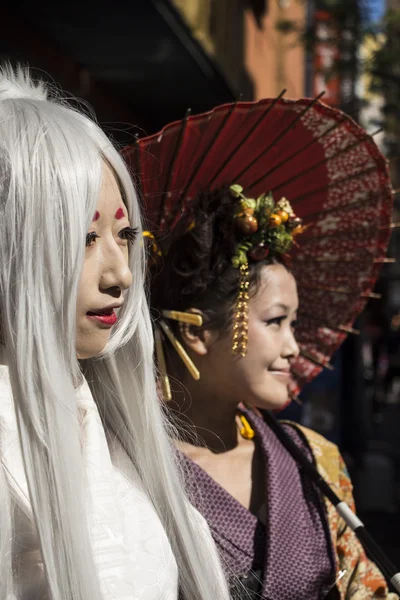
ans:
(264, 228)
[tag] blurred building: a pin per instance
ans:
(144, 63)
(137, 63)
(275, 57)
(249, 43)
(334, 33)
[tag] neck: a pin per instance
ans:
(203, 419)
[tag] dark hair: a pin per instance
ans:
(198, 270)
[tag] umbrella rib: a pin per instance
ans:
(298, 374)
(173, 160)
(376, 261)
(333, 260)
(371, 296)
(315, 360)
(338, 290)
(341, 207)
(341, 328)
(295, 154)
(318, 164)
(279, 136)
(295, 397)
(305, 239)
(335, 183)
(247, 136)
(349, 330)
(207, 150)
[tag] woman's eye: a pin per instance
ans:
(91, 238)
(129, 233)
(275, 321)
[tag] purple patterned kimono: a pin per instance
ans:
(285, 552)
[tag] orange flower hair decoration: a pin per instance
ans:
(264, 226)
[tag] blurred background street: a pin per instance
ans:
(143, 63)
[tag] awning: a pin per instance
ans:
(135, 61)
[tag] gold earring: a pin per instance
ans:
(246, 431)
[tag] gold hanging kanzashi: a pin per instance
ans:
(240, 321)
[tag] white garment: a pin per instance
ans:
(131, 549)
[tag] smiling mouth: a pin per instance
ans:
(282, 374)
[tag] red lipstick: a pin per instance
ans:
(108, 319)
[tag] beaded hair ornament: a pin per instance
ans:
(263, 228)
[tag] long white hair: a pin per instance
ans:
(51, 159)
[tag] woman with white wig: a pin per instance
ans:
(91, 505)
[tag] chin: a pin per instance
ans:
(274, 404)
(90, 350)
(277, 399)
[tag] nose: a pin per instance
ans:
(291, 347)
(116, 276)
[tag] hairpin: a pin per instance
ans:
(162, 367)
(187, 361)
(183, 317)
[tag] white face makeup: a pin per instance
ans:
(106, 273)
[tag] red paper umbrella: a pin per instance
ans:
(329, 169)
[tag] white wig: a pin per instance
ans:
(51, 159)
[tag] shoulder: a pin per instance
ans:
(316, 441)
(326, 454)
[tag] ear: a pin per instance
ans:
(197, 339)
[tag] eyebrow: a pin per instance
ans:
(280, 305)
(96, 216)
(284, 307)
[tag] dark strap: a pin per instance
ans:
(248, 587)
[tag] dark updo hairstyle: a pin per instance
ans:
(198, 271)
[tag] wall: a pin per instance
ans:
(275, 60)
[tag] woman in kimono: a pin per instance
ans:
(245, 207)
(91, 506)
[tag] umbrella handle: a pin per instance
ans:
(370, 545)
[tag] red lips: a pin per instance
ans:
(107, 317)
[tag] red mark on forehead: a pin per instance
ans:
(119, 214)
(96, 216)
